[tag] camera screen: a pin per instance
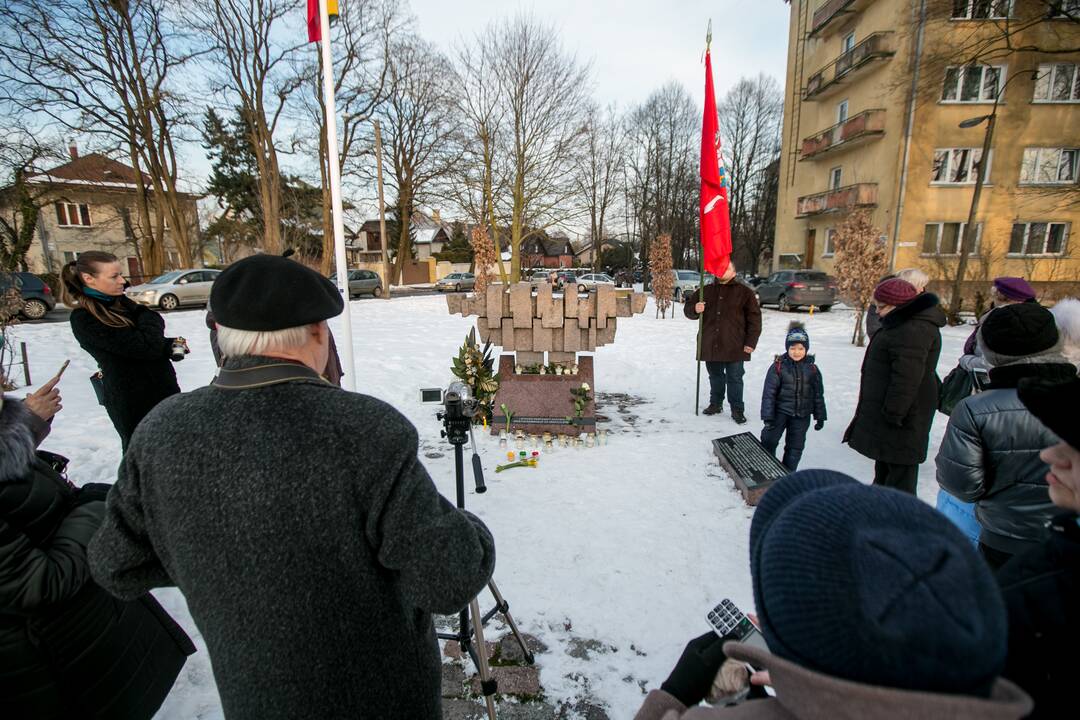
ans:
(431, 395)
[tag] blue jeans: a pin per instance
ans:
(961, 513)
(795, 443)
(727, 375)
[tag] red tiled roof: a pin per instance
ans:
(93, 168)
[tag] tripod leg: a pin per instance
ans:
(504, 608)
(487, 684)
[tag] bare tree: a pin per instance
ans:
(20, 201)
(105, 69)
(861, 260)
(662, 171)
(600, 171)
(545, 91)
(479, 178)
(418, 131)
(663, 278)
(361, 46)
(254, 73)
(750, 125)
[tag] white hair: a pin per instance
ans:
(235, 342)
(915, 276)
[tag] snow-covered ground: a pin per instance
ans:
(629, 543)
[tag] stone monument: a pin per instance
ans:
(538, 329)
(753, 468)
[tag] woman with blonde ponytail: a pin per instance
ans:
(126, 339)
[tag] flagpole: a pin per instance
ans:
(348, 380)
(701, 279)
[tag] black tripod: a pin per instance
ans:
(458, 429)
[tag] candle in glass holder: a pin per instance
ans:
(590, 441)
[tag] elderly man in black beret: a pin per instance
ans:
(309, 541)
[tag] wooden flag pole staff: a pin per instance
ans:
(348, 379)
(701, 281)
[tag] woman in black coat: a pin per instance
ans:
(898, 393)
(68, 649)
(126, 339)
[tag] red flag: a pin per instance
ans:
(314, 26)
(715, 220)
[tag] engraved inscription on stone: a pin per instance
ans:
(744, 457)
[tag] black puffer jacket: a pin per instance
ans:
(990, 456)
(898, 392)
(134, 362)
(793, 388)
(68, 649)
(1042, 593)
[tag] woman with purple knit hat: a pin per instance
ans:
(1004, 291)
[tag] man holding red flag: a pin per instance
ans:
(727, 310)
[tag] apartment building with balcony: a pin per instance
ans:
(876, 92)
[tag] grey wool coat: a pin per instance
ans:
(309, 541)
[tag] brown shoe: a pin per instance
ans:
(713, 409)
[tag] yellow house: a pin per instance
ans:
(877, 91)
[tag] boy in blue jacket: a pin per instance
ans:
(793, 392)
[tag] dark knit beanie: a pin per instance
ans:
(895, 292)
(797, 334)
(1014, 332)
(1014, 288)
(270, 292)
(874, 586)
(1054, 404)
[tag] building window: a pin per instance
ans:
(944, 238)
(830, 243)
(959, 166)
(1038, 238)
(973, 84)
(848, 43)
(70, 256)
(72, 214)
(981, 9)
(1057, 82)
(835, 176)
(842, 112)
(1066, 9)
(1049, 166)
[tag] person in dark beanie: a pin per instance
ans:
(730, 332)
(990, 453)
(1004, 291)
(898, 391)
(872, 605)
(1042, 585)
(793, 392)
(313, 575)
(68, 649)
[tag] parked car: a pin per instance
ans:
(362, 282)
(37, 296)
(790, 289)
(588, 282)
(562, 277)
(687, 281)
(457, 282)
(175, 288)
(541, 277)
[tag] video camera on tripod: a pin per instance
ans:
(459, 410)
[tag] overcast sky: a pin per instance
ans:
(637, 45)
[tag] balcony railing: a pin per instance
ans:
(839, 200)
(873, 47)
(834, 10)
(868, 124)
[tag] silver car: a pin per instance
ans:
(174, 289)
(687, 281)
(457, 282)
(589, 281)
(362, 282)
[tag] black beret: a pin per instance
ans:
(269, 292)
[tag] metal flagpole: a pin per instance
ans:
(701, 280)
(348, 379)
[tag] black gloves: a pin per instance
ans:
(819, 424)
(693, 675)
(92, 492)
(768, 424)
